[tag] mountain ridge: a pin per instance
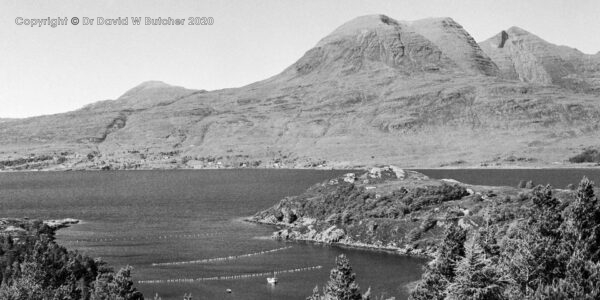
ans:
(374, 91)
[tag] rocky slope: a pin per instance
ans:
(521, 55)
(374, 91)
(392, 209)
(456, 42)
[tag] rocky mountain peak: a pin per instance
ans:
(369, 43)
(456, 43)
(521, 55)
(360, 25)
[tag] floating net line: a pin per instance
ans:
(161, 237)
(229, 277)
(217, 259)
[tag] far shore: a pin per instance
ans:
(340, 168)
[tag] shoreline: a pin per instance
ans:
(353, 245)
(357, 168)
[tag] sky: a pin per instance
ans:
(45, 70)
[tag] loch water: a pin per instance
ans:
(149, 219)
(557, 178)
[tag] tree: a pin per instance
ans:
(341, 285)
(582, 228)
(110, 286)
(441, 271)
(477, 278)
(315, 294)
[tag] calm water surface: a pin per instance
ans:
(558, 178)
(145, 217)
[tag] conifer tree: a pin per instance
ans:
(342, 284)
(315, 294)
(582, 228)
(476, 277)
(441, 271)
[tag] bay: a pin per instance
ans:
(148, 219)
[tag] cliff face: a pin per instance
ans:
(374, 91)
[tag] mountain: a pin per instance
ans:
(374, 91)
(521, 55)
(456, 42)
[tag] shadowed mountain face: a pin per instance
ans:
(374, 91)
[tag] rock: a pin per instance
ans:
(307, 221)
(289, 216)
(14, 229)
(331, 235)
(350, 177)
(372, 226)
(387, 172)
(60, 223)
(453, 181)
(400, 173)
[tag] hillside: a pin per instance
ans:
(374, 91)
(393, 209)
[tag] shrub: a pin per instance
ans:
(588, 155)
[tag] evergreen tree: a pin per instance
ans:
(315, 294)
(441, 271)
(342, 284)
(582, 228)
(110, 286)
(476, 277)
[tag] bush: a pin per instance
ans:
(588, 155)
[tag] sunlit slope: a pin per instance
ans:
(376, 90)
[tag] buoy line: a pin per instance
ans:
(147, 238)
(217, 259)
(228, 277)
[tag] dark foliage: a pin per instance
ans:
(552, 252)
(341, 285)
(33, 266)
(353, 203)
(588, 155)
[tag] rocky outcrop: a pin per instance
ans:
(61, 223)
(17, 226)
